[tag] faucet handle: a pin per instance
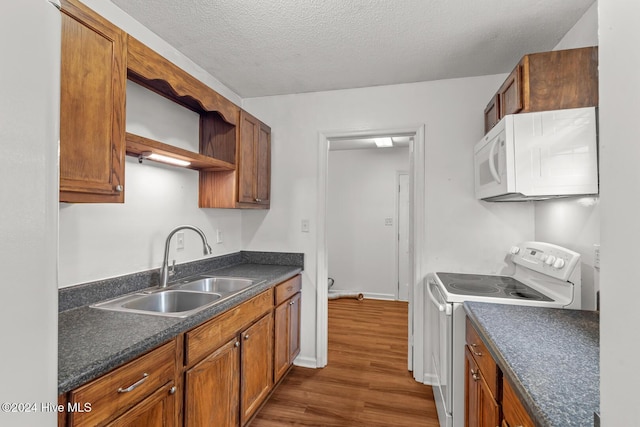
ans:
(172, 270)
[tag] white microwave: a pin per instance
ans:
(537, 156)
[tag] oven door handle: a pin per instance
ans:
(440, 305)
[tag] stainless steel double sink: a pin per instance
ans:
(181, 299)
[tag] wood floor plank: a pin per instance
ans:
(366, 381)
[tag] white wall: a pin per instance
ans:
(98, 241)
(362, 192)
(620, 208)
(29, 131)
(575, 222)
(462, 234)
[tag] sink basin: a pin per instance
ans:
(171, 303)
(223, 285)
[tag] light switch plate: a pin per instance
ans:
(305, 226)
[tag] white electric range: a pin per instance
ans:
(542, 274)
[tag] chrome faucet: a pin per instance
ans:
(164, 270)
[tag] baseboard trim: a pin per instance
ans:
(306, 362)
(367, 295)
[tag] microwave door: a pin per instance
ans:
(490, 167)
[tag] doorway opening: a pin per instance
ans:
(414, 230)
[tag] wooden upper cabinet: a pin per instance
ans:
(249, 186)
(547, 81)
(510, 93)
(92, 107)
(254, 163)
(492, 113)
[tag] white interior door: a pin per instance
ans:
(403, 236)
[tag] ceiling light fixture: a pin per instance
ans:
(149, 155)
(383, 142)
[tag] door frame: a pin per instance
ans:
(416, 233)
(399, 173)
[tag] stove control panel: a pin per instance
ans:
(546, 258)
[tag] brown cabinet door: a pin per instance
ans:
(249, 129)
(92, 107)
(281, 340)
(470, 391)
(481, 408)
(513, 411)
(492, 113)
(510, 93)
(157, 410)
(254, 162)
(256, 365)
(294, 327)
(211, 389)
(263, 165)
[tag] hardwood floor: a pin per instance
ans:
(365, 383)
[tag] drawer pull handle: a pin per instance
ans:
(172, 390)
(134, 385)
(477, 353)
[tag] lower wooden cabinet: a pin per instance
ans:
(489, 398)
(216, 374)
(157, 410)
(140, 389)
(514, 414)
(212, 387)
(256, 366)
(287, 325)
(481, 408)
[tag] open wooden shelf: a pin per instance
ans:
(136, 145)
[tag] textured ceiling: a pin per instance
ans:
(271, 47)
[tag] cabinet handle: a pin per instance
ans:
(258, 200)
(134, 385)
(237, 344)
(291, 302)
(246, 337)
(475, 353)
(172, 390)
(475, 375)
(119, 188)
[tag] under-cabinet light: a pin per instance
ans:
(162, 158)
(383, 142)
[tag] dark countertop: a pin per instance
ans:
(92, 341)
(551, 357)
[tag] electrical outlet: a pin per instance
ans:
(596, 255)
(305, 226)
(219, 236)
(388, 221)
(180, 240)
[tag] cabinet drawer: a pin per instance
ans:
(287, 289)
(482, 357)
(119, 390)
(207, 337)
(514, 412)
